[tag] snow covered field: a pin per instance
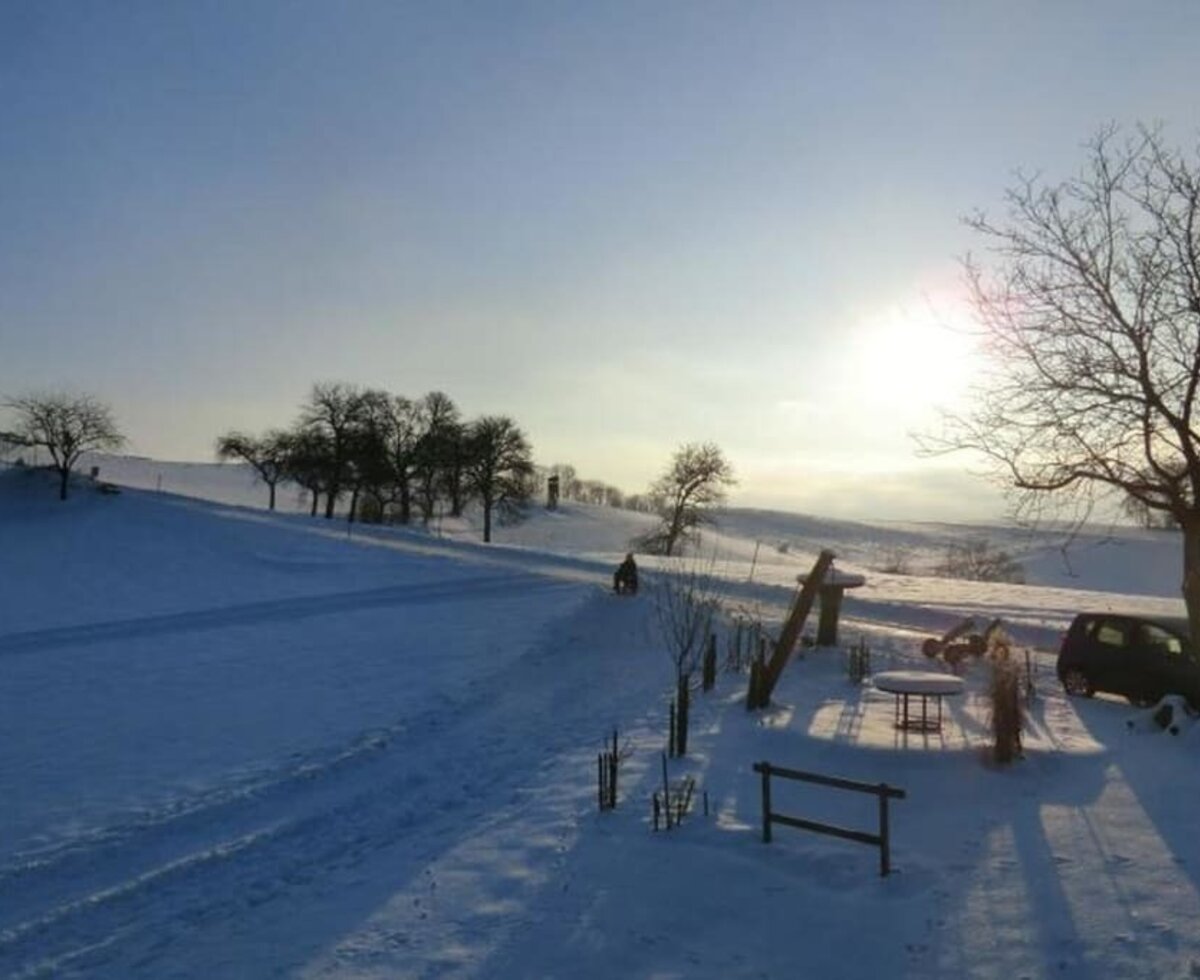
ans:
(235, 744)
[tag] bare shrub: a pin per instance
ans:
(1004, 693)
(896, 561)
(979, 561)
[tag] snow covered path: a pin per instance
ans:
(238, 873)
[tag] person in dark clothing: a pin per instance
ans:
(625, 578)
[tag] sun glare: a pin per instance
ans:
(925, 354)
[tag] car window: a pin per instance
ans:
(1155, 639)
(1109, 633)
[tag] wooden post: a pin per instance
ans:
(615, 761)
(752, 687)
(681, 716)
(666, 793)
(885, 854)
(766, 802)
(831, 606)
(710, 663)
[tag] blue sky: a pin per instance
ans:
(627, 225)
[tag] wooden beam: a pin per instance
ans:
(801, 607)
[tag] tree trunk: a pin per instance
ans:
(683, 700)
(271, 501)
(64, 475)
(1191, 575)
(456, 496)
(674, 529)
(330, 500)
(487, 521)
(405, 501)
(316, 497)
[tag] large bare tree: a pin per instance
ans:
(268, 455)
(691, 487)
(500, 464)
(1089, 299)
(67, 426)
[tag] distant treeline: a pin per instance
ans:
(571, 487)
(391, 458)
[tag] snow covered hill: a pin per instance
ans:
(241, 744)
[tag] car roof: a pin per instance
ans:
(1174, 624)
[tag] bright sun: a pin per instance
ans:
(924, 351)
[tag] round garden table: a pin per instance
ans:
(923, 684)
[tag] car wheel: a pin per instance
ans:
(1075, 682)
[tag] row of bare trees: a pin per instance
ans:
(389, 457)
(574, 487)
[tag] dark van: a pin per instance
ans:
(1140, 657)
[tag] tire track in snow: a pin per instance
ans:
(276, 610)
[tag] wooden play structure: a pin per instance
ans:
(764, 677)
(830, 593)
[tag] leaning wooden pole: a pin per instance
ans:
(795, 623)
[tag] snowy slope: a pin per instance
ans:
(239, 744)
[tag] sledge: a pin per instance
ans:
(963, 640)
(934, 648)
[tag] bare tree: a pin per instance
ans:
(440, 464)
(691, 487)
(685, 605)
(67, 426)
(309, 462)
(500, 466)
(1091, 315)
(267, 455)
(334, 410)
(392, 426)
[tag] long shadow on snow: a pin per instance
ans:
(928, 853)
(1161, 772)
